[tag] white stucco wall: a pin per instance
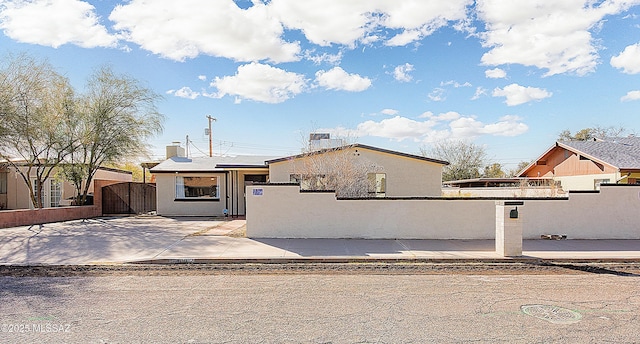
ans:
(610, 214)
(284, 212)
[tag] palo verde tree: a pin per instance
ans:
(36, 117)
(466, 159)
(117, 116)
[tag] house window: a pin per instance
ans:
(3, 182)
(377, 184)
(197, 187)
(55, 193)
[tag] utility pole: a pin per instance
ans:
(210, 135)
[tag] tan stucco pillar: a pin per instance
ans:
(509, 228)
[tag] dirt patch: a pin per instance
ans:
(240, 232)
(375, 268)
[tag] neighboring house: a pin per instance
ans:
(206, 186)
(390, 173)
(584, 165)
(14, 193)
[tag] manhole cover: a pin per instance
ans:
(552, 314)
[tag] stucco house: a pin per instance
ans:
(14, 193)
(584, 165)
(206, 186)
(390, 173)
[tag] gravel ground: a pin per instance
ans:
(322, 268)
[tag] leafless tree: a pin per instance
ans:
(340, 169)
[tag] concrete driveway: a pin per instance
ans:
(100, 240)
(161, 239)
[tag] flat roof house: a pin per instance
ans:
(206, 186)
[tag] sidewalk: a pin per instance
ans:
(174, 240)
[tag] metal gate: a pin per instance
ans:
(128, 198)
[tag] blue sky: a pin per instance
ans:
(508, 75)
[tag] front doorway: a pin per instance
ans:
(251, 179)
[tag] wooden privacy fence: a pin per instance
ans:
(128, 198)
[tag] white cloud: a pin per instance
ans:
(202, 77)
(628, 60)
(185, 92)
(54, 23)
(332, 59)
(346, 23)
(455, 84)
(389, 112)
(337, 79)
(495, 73)
(431, 128)
(437, 95)
(517, 94)
(480, 91)
(401, 72)
(631, 95)
(261, 83)
(551, 35)
(185, 29)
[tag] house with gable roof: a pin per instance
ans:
(390, 173)
(216, 186)
(584, 165)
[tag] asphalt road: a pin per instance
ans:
(321, 308)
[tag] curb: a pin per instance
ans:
(348, 260)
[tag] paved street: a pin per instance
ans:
(308, 308)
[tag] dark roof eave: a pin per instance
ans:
(242, 166)
(358, 145)
(188, 171)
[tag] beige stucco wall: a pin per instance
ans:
(17, 196)
(584, 182)
(169, 206)
(232, 195)
(404, 176)
(284, 212)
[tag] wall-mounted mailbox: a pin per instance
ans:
(513, 214)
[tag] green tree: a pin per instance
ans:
(466, 159)
(118, 115)
(494, 171)
(37, 114)
(521, 166)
